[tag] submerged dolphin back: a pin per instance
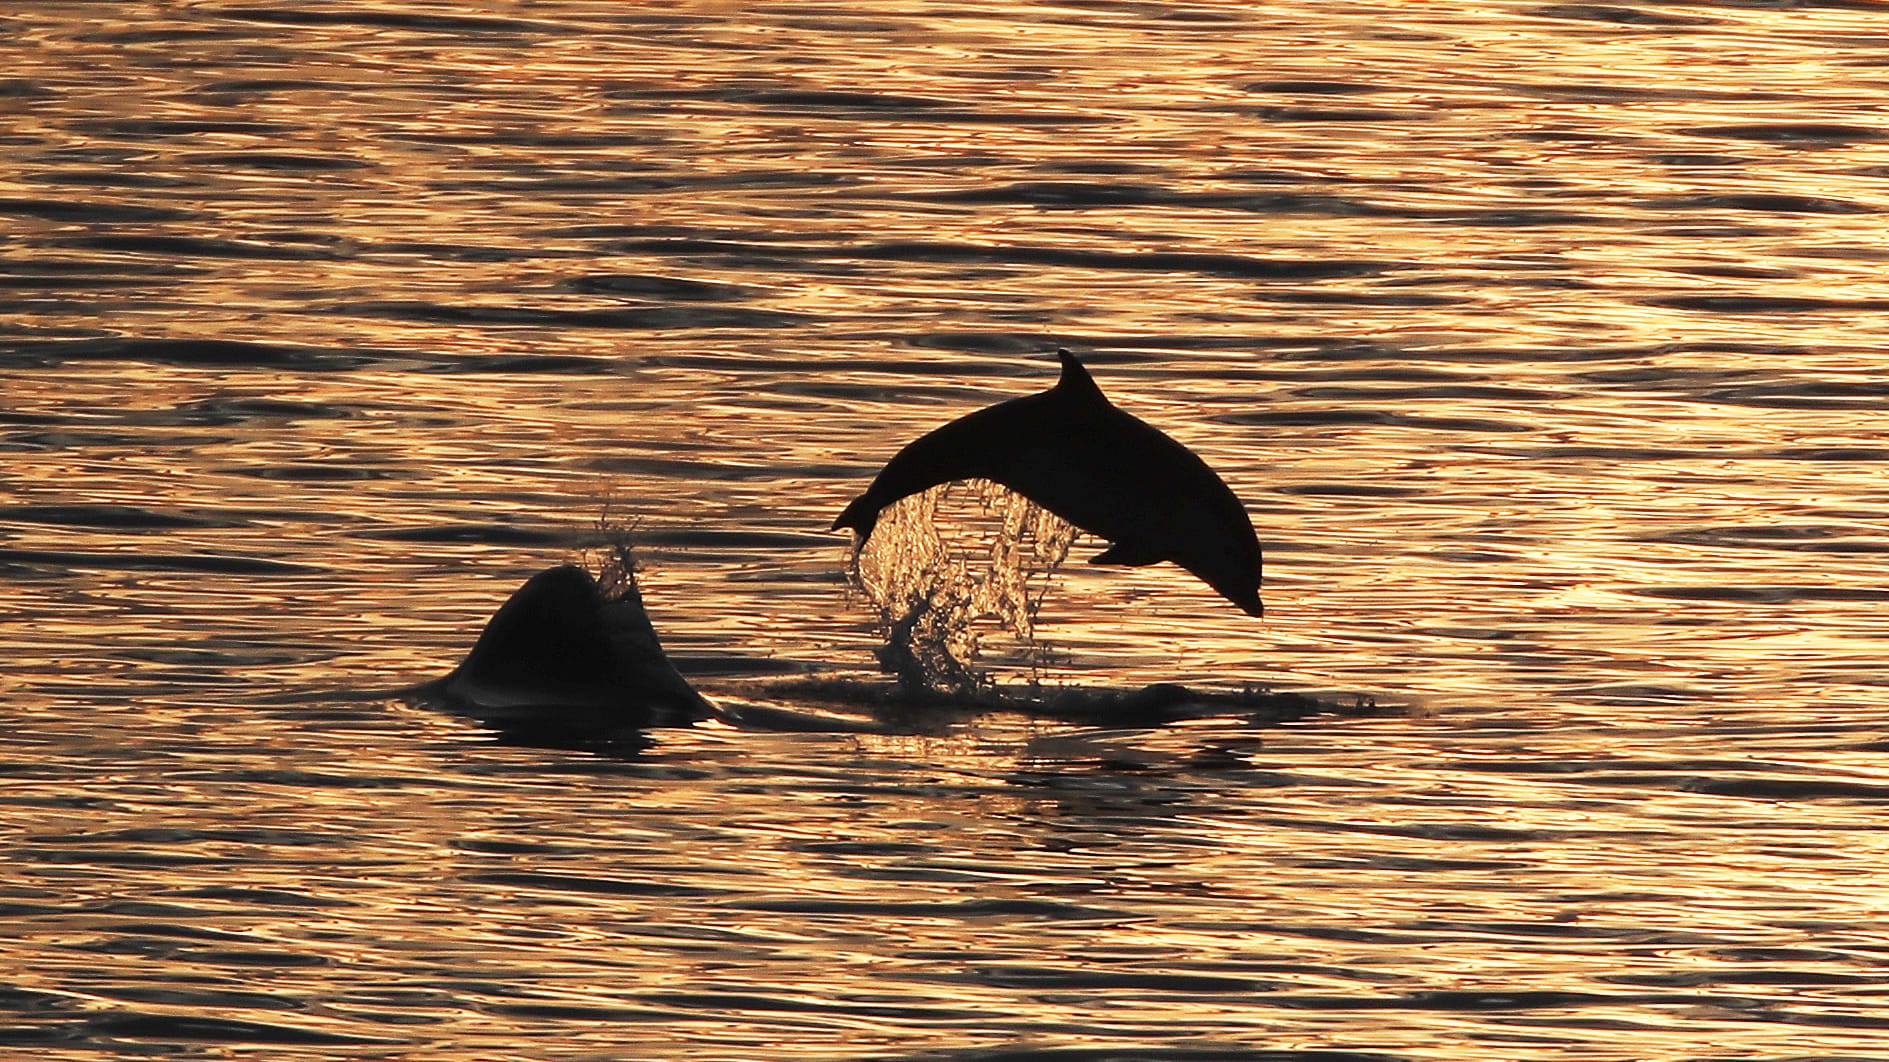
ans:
(1072, 452)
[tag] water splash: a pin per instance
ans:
(611, 557)
(950, 565)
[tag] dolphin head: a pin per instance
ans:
(1224, 553)
(1243, 595)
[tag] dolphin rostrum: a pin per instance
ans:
(1072, 452)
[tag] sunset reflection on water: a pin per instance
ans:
(1542, 343)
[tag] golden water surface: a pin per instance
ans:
(1545, 344)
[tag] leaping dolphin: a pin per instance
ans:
(1110, 474)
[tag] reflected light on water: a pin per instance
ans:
(1540, 342)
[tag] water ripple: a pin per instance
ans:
(1541, 341)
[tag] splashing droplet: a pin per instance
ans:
(948, 564)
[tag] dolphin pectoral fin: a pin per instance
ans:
(1127, 556)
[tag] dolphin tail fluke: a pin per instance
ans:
(861, 516)
(1075, 378)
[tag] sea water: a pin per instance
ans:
(1544, 344)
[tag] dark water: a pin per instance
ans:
(1544, 342)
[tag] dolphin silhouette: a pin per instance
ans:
(1110, 474)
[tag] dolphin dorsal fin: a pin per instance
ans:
(1076, 381)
